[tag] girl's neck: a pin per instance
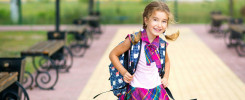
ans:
(150, 36)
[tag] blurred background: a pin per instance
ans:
(25, 23)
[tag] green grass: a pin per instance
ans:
(12, 43)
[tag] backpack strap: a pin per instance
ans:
(110, 91)
(162, 72)
(160, 53)
(169, 93)
(126, 60)
(134, 64)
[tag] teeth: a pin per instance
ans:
(157, 29)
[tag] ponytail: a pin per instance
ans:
(135, 38)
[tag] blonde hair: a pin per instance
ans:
(149, 9)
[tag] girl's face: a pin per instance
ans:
(156, 23)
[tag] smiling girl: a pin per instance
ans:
(147, 80)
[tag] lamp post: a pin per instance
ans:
(91, 6)
(97, 5)
(57, 14)
(20, 13)
(231, 7)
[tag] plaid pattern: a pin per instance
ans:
(134, 93)
(135, 49)
(151, 53)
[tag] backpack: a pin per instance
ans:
(129, 60)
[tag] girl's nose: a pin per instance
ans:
(159, 24)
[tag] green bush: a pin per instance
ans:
(4, 16)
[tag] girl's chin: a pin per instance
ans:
(158, 33)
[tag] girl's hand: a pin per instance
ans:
(164, 81)
(127, 77)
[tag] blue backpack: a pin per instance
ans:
(129, 60)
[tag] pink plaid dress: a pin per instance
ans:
(133, 93)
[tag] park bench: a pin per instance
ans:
(79, 22)
(81, 40)
(93, 20)
(11, 78)
(64, 57)
(94, 23)
(45, 50)
(239, 32)
(48, 51)
(54, 57)
(234, 37)
(217, 19)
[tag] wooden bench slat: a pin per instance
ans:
(56, 46)
(3, 76)
(238, 28)
(220, 17)
(91, 18)
(7, 81)
(45, 47)
(77, 28)
(34, 47)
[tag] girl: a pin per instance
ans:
(146, 83)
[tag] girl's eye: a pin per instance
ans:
(155, 19)
(164, 21)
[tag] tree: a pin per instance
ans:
(231, 6)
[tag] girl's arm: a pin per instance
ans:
(167, 66)
(115, 53)
(166, 70)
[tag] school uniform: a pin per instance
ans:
(146, 83)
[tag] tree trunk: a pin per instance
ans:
(14, 11)
(91, 6)
(231, 6)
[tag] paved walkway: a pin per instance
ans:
(196, 71)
